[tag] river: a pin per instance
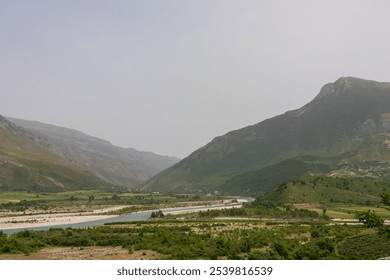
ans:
(136, 216)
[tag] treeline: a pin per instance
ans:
(46, 201)
(256, 209)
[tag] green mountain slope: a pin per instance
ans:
(344, 129)
(26, 164)
(34, 155)
(116, 165)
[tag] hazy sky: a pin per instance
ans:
(169, 76)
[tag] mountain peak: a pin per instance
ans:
(350, 80)
(346, 84)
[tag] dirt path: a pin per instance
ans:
(86, 253)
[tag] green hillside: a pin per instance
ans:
(35, 155)
(25, 164)
(344, 130)
(324, 190)
(115, 165)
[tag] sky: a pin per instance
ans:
(168, 76)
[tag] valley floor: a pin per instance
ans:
(197, 229)
(23, 221)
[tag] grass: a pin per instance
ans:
(340, 211)
(334, 213)
(350, 212)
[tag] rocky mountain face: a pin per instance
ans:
(92, 162)
(344, 129)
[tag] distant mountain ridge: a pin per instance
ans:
(345, 125)
(107, 164)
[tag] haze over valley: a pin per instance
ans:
(198, 130)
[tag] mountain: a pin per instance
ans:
(26, 164)
(345, 129)
(44, 153)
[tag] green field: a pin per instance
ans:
(80, 194)
(91, 199)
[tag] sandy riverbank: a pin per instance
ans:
(39, 220)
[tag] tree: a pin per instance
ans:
(372, 220)
(385, 198)
(115, 197)
(157, 214)
(386, 201)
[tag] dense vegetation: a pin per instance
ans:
(213, 240)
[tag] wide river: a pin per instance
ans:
(136, 216)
